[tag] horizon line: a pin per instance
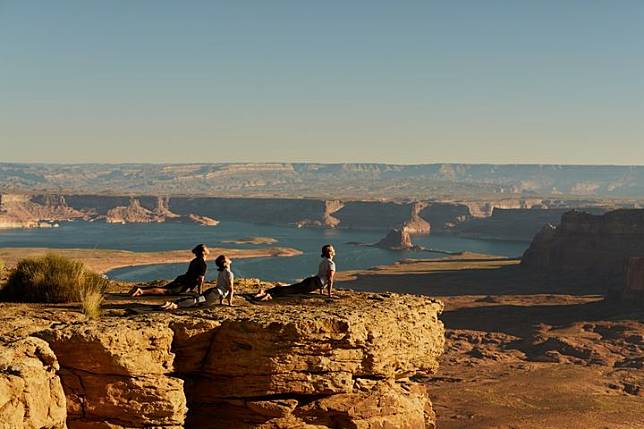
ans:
(532, 164)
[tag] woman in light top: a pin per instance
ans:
(323, 279)
(223, 290)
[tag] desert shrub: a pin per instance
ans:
(52, 278)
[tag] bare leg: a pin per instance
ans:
(149, 291)
(230, 296)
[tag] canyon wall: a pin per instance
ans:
(593, 247)
(418, 217)
(284, 365)
(516, 224)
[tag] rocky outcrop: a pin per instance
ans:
(396, 239)
(330, 207)
(162, 208)
(26, 211)
(282, 365)
(202, 220)
(31, 394)
(134, 212)
(595, 247)
(416, 225)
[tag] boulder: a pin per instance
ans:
(31, 394)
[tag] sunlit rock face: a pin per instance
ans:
(31, 393)
(301, 362)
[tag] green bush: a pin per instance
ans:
(53, 279)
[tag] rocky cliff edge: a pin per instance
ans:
(304, 363)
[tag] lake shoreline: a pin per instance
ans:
(106, 260)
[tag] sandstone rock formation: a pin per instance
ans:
(202, 220)
(31, 394)
(416, 225)
(134, 212)
(330, 207)
(396, 239)
(25, 211)
(589, 246)
(162, 208)
(286, 364)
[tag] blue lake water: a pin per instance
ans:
(172, 236)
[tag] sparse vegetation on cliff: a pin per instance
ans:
(54, 279)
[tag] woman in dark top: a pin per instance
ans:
(192, 279)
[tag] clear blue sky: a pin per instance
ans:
(357, 81)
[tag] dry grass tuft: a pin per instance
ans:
(52, 279)
(91, 301)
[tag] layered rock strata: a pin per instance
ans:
(300, 363)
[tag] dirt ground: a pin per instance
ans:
(524, 351)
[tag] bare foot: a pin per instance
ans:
(136, 291)
(169, 306)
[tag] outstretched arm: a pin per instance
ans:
(231, 290)
(200, 281)
(330, 275)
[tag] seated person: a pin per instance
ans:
(324, 278)
(223, 289)
(192, 279)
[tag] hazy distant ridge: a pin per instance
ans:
(326, 180)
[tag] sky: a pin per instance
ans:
(403, 82)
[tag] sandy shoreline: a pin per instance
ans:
(104, 260)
